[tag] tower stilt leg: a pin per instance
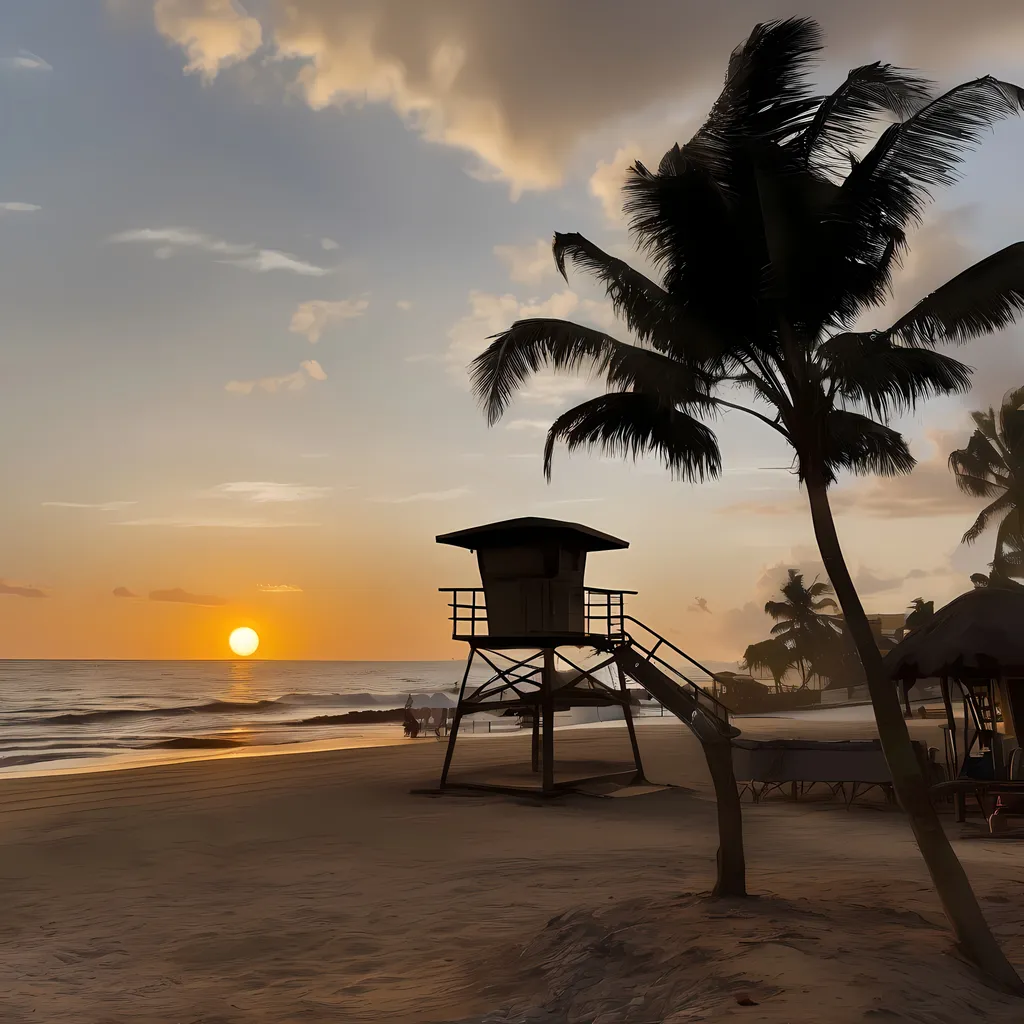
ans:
(548, 706)
(627, 713)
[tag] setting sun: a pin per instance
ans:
(244, 641)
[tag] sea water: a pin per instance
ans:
(56, 714)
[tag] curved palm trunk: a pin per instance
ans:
(961, 906)
(717, 746)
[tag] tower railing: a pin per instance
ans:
(604, 612)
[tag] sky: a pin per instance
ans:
(246, 252)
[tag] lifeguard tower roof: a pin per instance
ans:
(532, 529)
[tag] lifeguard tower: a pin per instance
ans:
(533, 621)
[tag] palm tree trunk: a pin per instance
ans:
(961, 907)
(717, 746)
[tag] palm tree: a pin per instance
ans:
(992, 466)
(772, 230)
(799, 620)
(772, 655)
(921, 611)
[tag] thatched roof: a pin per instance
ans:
(979, 634)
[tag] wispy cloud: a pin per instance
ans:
(404, 304)
(449, 495)
(19, 207)
(14, 590)
(101, 506)
(213, 33)
(536, 426)
(528, 264)
(169, 241)
(328, 244)
(124, 592)
(262, 491)
(178, 596)
(314, 317)
(295, 381)
(25, 60)
(278, 588)
(214, 523)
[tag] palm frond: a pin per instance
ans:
(631, 424)
(869, 369)
(530, 345)
(982, 299)
(765, 95)
(896, 178)
(843, 120)
(979, 468)
(980, 525)
(650, 312)
(862, 445)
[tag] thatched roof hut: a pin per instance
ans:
(978, 635)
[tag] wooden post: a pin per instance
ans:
(535, 741)
(548, 705)
(627, 713)
(453, 735)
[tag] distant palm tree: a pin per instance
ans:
(800, 622)
(992, 466)
(921, 611)
(772, 231)
(772, 655)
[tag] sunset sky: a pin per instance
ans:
(247, 252)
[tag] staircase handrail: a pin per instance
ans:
(720, 709)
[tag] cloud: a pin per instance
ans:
(296, 381)
(278, 588)
(535, 426)
(214, 523)
(104, 506)
(312, 318)
(315, 455)
(404, 304)
(929, 491)
(567, 501)
(700, 604)
(265, 491)
(314, 369)
(13, 590)
(449, 495)
(454, 71)
(123, 592)
(179, 596)
(213, 33)
(869, 583)
(528, 264)
(328, 244)
(605, 183)
(19, 207)
(169, 241)
(25, 60)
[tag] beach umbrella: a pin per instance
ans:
(978, 635)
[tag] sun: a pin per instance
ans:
(244, 641)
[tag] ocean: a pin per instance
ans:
(80, 714)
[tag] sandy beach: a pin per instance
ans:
(316, 887)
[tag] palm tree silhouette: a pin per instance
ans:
(921, 611)
(772, 655)
(799, 618)
(772, 230)
(992, 466)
